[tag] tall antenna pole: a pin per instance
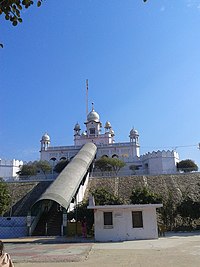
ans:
(86, 98)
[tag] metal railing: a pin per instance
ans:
(40, 177)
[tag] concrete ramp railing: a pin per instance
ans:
(64, 188)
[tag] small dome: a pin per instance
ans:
(77, 127)
(45, 137)
(107, 125)
(112, 132)
(93, 116)
(84, 133)
(133, 132)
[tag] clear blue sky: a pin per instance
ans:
(142, 62)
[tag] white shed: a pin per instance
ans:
(125, 222)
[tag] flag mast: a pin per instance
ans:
(86, 97)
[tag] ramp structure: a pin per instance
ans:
(66, 185)
(49, 211)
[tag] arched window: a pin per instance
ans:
(53, 161)
(115, 156)
(63, 158)
(92, 130)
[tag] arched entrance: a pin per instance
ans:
(50, 218)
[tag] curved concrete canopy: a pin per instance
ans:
(63, 189)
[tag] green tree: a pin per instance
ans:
(109, 164)
(187, 165)
(103, 197)
(116, 164)
(81, 212)
(61, 165)
(189, 210)
(43, 166)
(144, 196)
(169, 211)
(103, 164)
(4, 197)
(31, 169)
(12, 9)
(27, 170)
(133, 168)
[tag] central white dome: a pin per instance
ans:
(93, 116)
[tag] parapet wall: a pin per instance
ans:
(9, 168)
(160, 154)
(10, 163)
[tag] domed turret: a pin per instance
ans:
(112, 132)
(133, 132)
(93, 124)
(45, 137)
(93, 116)
(134, 139)
(84, 133)
(107, 125)
(77, 127)
(45, 141)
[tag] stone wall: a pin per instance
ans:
(23, 195)
(177, 185)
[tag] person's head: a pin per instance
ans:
(1, 247)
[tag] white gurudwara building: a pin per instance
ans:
(160, 162)
(9, 168)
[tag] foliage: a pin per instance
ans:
(43, 166)
(103, 164)
(144, 196)
(133, 168)
(27, 170)
(187, 165)
(4, 197)
(169, 211)
(12, 9)
(189, 210)
(61, 165)
(116, 164)
(109, 164)
(81, 212)
(103, 197)
(35, 167)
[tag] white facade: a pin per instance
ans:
(125, 223)
(9, 168)
(160, 162)
(104, 139)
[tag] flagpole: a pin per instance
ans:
(86, 98)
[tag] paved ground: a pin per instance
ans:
(174, 250)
